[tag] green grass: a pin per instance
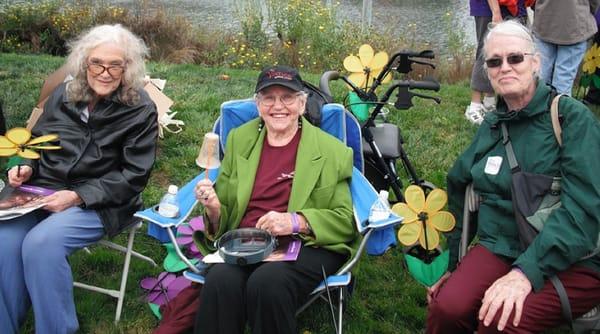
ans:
(386, 299)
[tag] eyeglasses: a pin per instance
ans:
(512, 59)
(114, 71)
(286, 99)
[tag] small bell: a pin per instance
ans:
(208, 157)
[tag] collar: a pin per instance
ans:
(540, 97)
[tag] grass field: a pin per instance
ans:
(385, 300)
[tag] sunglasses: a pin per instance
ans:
(512, 59)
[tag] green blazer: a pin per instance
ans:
(320, 189)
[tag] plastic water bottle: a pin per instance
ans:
(168, 206)
(380, 210)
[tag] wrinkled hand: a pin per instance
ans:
(508, 292)
(432, 289)
(206, 195)
(276, 223)
(17, 177)
(61, 200)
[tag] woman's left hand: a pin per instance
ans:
(276, 223)
(61, 200)
(508, 292)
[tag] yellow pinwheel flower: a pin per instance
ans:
(591, 60)
(366, 67)
(423, 218)
(17, 142)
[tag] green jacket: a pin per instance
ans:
(571, 231)
(320, 189)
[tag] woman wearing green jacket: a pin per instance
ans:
(500, 285)
(283, 175)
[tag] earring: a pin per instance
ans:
(300, 122)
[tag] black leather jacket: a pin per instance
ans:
(106, 161)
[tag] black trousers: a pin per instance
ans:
(265, 295)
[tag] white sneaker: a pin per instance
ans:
(474, 113)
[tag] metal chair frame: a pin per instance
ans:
(129, 252)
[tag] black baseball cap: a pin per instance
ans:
(279, 75)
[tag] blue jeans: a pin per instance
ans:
(560, 63)
(34, 270)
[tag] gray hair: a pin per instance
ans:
(135, 51)
(510, 28)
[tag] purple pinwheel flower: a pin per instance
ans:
(164, 288)
(185, 232)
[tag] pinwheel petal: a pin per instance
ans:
(365, 53)
(379, 60)
(185, 240)
(6, 143)
(184, 230)
(28, 154)
(358, 79)
(430, 239)
(436, 200)
(408, 234)
(415, 198)
(157, 297)
(176, 286)
(403, 210)
(7, 152)
(43, 139)
(18, 136)
(442, 221)
(197, 223)
(149, 283)
(352, 64)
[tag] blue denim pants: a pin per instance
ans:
(34, 270)
(560, 63)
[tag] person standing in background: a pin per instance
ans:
(485, 12)
(561, 30)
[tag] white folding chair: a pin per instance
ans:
(128, 251)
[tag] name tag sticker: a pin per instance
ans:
(492, 166)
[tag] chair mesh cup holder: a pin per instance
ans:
(155, 209)
(245, 246)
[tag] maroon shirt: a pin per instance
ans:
(273, 182)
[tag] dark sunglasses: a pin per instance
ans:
(512, 59)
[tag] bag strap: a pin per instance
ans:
(510, 153)
(555, 119)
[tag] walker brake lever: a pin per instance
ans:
(423, 63)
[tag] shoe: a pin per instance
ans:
(474, 113)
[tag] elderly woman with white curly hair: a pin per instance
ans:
(506, 283)
(107, 127)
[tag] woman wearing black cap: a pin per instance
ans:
(283, 175)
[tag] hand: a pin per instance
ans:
(276, 223)
(206, 195)
(497, 18)
(17, 177)
(61, 200)
(434, 288)
(508, 292)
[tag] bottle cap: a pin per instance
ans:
(173, 189)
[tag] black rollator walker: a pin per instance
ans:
(382, 143)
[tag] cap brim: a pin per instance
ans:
(284, 84)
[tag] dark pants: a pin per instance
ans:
(266, 295)
(455, 306)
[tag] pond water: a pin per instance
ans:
(418, 21)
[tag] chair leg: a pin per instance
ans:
(125, 274)
(340, 310)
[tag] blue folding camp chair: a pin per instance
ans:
(336, 121)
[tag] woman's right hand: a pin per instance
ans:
(18, 176)
(206, 195)
(433, 289)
